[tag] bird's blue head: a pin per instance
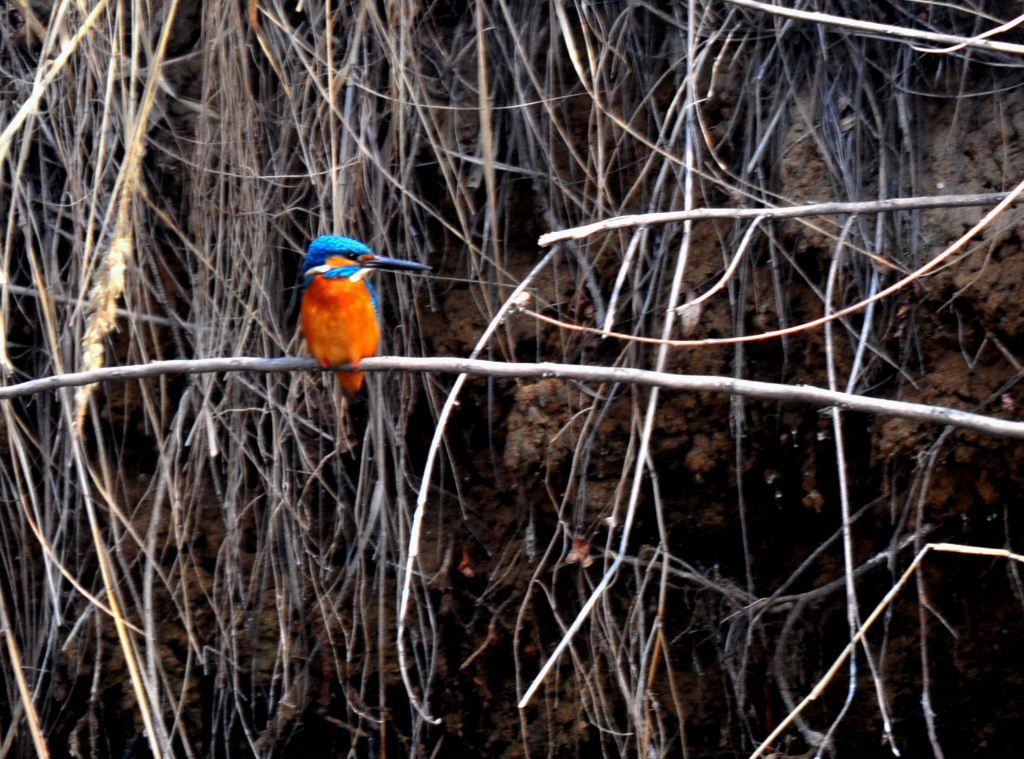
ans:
(333, 246)
(335, 256)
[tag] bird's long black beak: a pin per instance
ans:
(381, 262)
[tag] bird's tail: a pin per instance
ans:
(350, 382)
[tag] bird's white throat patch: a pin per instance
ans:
(360, 275)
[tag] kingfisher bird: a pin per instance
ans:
(340, 315)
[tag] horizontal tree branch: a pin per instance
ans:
(891, 31)
(769, 212)
(684, 382)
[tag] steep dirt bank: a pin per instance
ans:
(256, 533)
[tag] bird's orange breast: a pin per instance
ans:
(339, 323)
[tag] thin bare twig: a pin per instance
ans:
(822, 683)
(780, 212)
(898, 33)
